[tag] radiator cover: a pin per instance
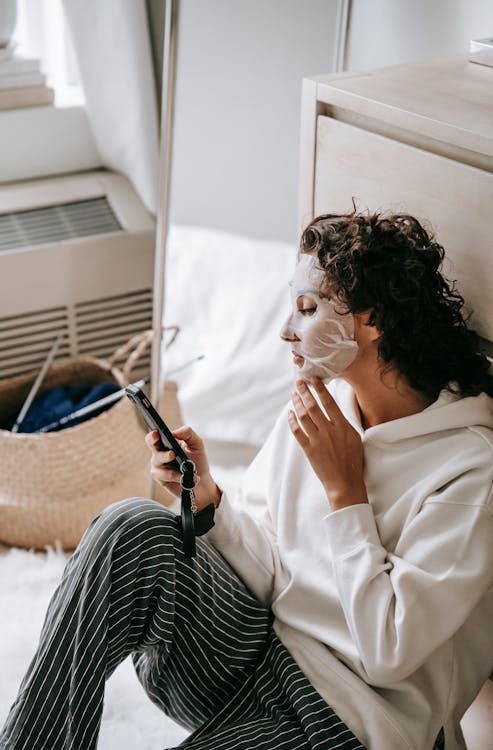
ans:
(76, 258)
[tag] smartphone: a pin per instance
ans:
(155, 422)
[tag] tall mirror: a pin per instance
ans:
(127, 128)
(233, 83)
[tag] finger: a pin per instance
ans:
(328, 402)
(297, 430)
(163, 457)
(193, 441)
(166, 476)
(303, 415)
(311, 404)
(152, 438)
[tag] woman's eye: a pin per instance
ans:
(308, 310)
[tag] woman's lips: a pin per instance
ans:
(298, 359)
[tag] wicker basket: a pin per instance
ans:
(53, 484)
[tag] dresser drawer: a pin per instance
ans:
(382, 173)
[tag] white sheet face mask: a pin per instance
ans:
(322, 340)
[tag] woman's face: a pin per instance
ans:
(322, 340)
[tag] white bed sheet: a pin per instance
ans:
(230, 296)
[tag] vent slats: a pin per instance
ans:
(33, 359)
(101, 326)
(14, 370)
(116, 308)
(26, 339)
(37, 348)
(127, 323)
(64, 221)
(106, 324)
(25, 319)
(25, 329)
(104, 302)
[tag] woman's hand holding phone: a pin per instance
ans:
(206, 490)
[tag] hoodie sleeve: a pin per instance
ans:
(441, 568)
(244, 530)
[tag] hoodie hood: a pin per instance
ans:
(448, 412)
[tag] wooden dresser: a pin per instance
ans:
(414, 138)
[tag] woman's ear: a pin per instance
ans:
(364, 331)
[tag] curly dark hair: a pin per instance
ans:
(389, 264)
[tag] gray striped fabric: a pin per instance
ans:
(202, 645)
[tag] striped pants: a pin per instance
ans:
(203, 647)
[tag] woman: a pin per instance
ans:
(357, 609)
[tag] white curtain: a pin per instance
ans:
(113, 48)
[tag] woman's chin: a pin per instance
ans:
(307, 370)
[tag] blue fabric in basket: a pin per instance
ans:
(62, 400)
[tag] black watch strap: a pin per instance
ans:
(204, 519)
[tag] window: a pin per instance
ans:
(42, 32)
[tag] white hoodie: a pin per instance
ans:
(388, 606)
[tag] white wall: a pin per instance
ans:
(236, 134)
(388, 32)
(240, 65)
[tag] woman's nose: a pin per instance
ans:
(287, 333)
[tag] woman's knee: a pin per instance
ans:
(133, 516)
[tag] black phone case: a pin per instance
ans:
(155, 422)
(191, 524)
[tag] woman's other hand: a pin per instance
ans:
(206, 490)
(331, 444)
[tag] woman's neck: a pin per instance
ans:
(385, 396)
(382, 392)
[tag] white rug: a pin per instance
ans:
(27, 581)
